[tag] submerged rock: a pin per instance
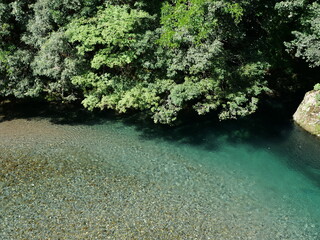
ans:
(308, 113)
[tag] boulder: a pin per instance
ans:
(308, 113)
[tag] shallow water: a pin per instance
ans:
(127, 179)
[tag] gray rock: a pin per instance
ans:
(308, 113)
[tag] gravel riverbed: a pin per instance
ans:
(77, 182)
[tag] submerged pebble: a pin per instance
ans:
(98, 182)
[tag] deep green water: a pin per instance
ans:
(257, 178)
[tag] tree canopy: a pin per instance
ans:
(160, 57)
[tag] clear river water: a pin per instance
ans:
(114, 177)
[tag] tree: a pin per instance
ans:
(306, 43)
(162, 58)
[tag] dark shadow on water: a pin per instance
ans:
(204, 131)
(271, 129)
(72, 114)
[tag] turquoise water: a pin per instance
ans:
(128, 179)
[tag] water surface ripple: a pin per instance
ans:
(121, 179)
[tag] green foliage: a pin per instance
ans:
(158, 57)
(129, 70)
(18, 80)
(198, 17)
(193, 34)
(56, 60)
(113, 28)
(317, 87)
(306, 43)
(114, 37)
(51, 15)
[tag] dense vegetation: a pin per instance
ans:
(160, 57)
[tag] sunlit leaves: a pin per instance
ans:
(113, 30)
(306, 43)
(194, 55)
(198, 17)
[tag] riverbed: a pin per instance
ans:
(115, 177)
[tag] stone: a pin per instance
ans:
(308, 113)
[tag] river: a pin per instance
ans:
(112, 177)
